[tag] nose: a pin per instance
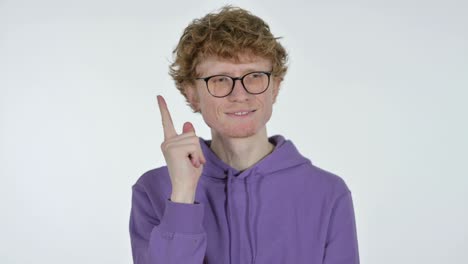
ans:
(239, 93)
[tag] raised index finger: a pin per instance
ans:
(168, 126)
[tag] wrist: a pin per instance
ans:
(185, 197)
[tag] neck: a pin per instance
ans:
(241, 153)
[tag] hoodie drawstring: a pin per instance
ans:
(250, 203)
(228, 202)
(250, 219)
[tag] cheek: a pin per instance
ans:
(267, 101)
(268, 106)
(209, 112)
(268, 112)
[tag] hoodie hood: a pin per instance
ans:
(283, 156)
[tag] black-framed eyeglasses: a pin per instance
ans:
(220, 85)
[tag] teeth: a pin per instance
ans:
(241, 113)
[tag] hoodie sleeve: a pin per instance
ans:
(342, 245)
(176, 237)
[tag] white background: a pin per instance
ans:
(376, 93)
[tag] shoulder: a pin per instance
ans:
(310, 175)
(331, 178)
(326, 180)
(153, 180)
(149, 193)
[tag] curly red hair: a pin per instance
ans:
(228, 34)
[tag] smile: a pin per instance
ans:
(241, 113)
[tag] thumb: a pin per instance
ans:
(188, 127)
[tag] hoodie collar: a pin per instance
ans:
(283, 156)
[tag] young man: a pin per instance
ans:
(241, 197)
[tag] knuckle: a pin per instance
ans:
(166, 145)
(189, 147)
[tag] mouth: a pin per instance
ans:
(241, 113)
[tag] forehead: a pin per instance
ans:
(215, 65)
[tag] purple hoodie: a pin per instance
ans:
(283, 209)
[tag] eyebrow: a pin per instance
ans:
(248, 70)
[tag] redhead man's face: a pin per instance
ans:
(218, 113)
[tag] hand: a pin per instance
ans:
(183, 155)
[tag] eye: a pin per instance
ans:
(219, 79)
(257, 75)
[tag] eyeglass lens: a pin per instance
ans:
(255, 82)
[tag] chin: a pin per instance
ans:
(237, 132)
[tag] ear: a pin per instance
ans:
(192, 97)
